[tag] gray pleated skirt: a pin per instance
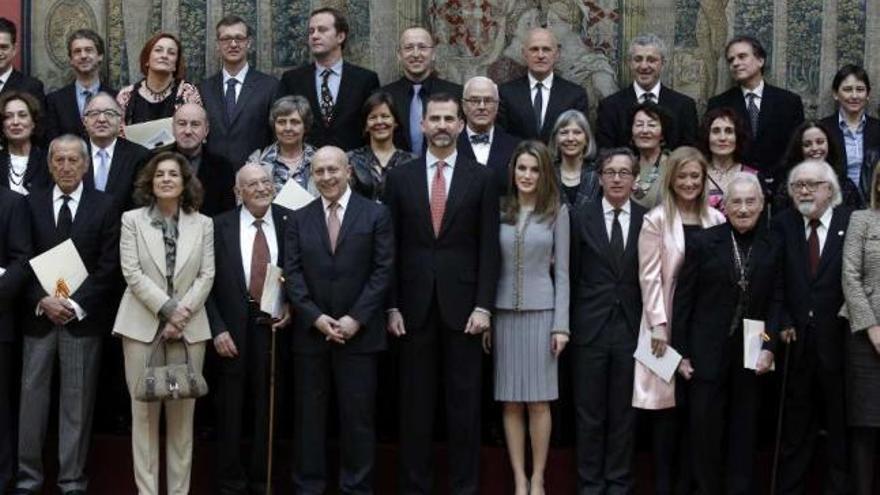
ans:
(525, 369)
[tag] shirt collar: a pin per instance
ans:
(335, 68)
(841, 121)
(431, 160)
(74, 196)
(92, 89)
(109, 149)
(4, 78)
(490, 132)
(238, 77)
(247, 218)
(343, 201)
(547, 82)
(639, 91)
(825, 219)
(608, 208)
(758, 91)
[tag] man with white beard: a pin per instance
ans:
(812, 235)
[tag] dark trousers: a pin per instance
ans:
(728, 405)
(812, 391)
(863, 444)
(354, 377)
(602, 382)
(243, 384)
(671, 445)
(6, 414)
(424, 353)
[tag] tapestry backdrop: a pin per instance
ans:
(806, 40)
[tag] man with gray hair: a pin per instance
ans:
(646, 56)
(811, 236)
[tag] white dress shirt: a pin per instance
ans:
(96, 160)
(641, 92)
(758, 92)
(822, 229)
(431, 162)
(481, 151)
(247, 231)
(238, 77)
(547, 83)
(623, 218)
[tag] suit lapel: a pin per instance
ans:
(350, 217)
(72, 106)
(833, 241)
(153, 238)
(319, 223)
(83, 211)
(457, 189)
(186, 239)
(724, 250)
(419, 186)
(598, 232)
(344, 86)
(554, 105)
(526, 95)
(280, 230)
(243, 97)
(464, 145)
(116, 165)
(232, 238)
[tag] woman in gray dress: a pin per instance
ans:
(861, 288)
(531, 321)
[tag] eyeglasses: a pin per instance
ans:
(809, 185)
(108, 114)
(414, 48)
(623, 174)
(227, 40)
(480, 101)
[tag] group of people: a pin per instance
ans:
(451, 221)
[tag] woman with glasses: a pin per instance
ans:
(723, 139)
(647, 122)
(573, 149)
(23, 164)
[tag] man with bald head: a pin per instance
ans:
(190, 127)
(415, 52)
(246, 239)
(531, 104)
(338, 262)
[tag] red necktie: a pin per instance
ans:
(813, 247)
(259, 259)
(438, 197)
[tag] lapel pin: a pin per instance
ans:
(840, 232)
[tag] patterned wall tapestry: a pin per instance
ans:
(806, 40)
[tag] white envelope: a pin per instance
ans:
(753, 341)
(292, 196)
(152, 134)
(273, 292)
(62, 262)
(665, 366)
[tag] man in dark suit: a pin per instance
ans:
(812, 240)
(66, 329)
(115, 161)
(607, 307)
(531, 104)
(15, 250)
(339, 257)
(65, 107)
(647, 54)
(245, 240)
(771, 113)
(416, 53)
(482, 140)
(10, 77)
(728, 277)
(445, 212)
(238, 98)
(217, 175)
(336, 89)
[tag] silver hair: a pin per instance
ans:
(824, 169)
(573, 117)
(477, 79)
(289, 104)
(109, 97)
(250, 164)
(69, 139)
(648, 39)
(747, 179)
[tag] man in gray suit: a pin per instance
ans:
(238, 98)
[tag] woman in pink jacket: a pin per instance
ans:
(682, 212)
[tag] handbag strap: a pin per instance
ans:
(164, 342)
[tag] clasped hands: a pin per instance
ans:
(57, 309)
(337, 331)
(178, 320)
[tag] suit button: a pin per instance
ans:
(810, 314)
(617, 302)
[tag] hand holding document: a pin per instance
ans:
(152, 134)
(292, 196)
(665, 366)
(60, 270)
(273, 291)
(754, 337)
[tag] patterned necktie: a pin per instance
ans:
(438, 197)
(87, 97)
(260, 258)
(616, 238)
(65, 219)
(333, 224)
(230, 98)
(813, 247)
(479, 138)
(538, 105)
(102, 171)
(416, 138)
(648, 97)
(326, 98)
(753, 112)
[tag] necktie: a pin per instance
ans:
(230, 98)
(538, 105)
(416, 138)
(616, 238)
(87, 97)
(479, 138)
(102, 171)
(753, 113)
(65, 219)
(333, 224)
(326, 98)
(260, 257)
(438, 197)
(648, 97)
(813, 247)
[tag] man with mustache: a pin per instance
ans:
(812, 235)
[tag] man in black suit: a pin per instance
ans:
(66, 329)
(65, 107)
(245, 240)
(812, 240)
(217, 175)
(238, 98)
(771, 113)
(336, 89)
(10, 77)
(607, 307)
(115, 161)
(339, 257)
(531, 104)
(415, 52)
(482, 140)
(15, 250)
(728, 277)
(647, 54)
(445, 212)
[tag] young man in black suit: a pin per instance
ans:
(415, 52)
(445, 212)
(771, 113)
(531, 104)
(10, 77)
(647, 54)
(339, 257)
(238, 98)
(811, 236)
(245, 240)
(65, 107)
(336, 89)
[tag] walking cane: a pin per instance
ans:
(777, 445)
(271, 412)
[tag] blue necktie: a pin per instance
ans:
(103, 170)
(230, 98)
(416, 138)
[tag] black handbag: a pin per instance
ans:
(170, 381)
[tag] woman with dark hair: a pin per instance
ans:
(530, 327)
(573, 150)
(647, 123)
(289, 157)
(855, 132)
(163, 89)
(167, 259)
(23, 164)
(723, 139)
(373, 161)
